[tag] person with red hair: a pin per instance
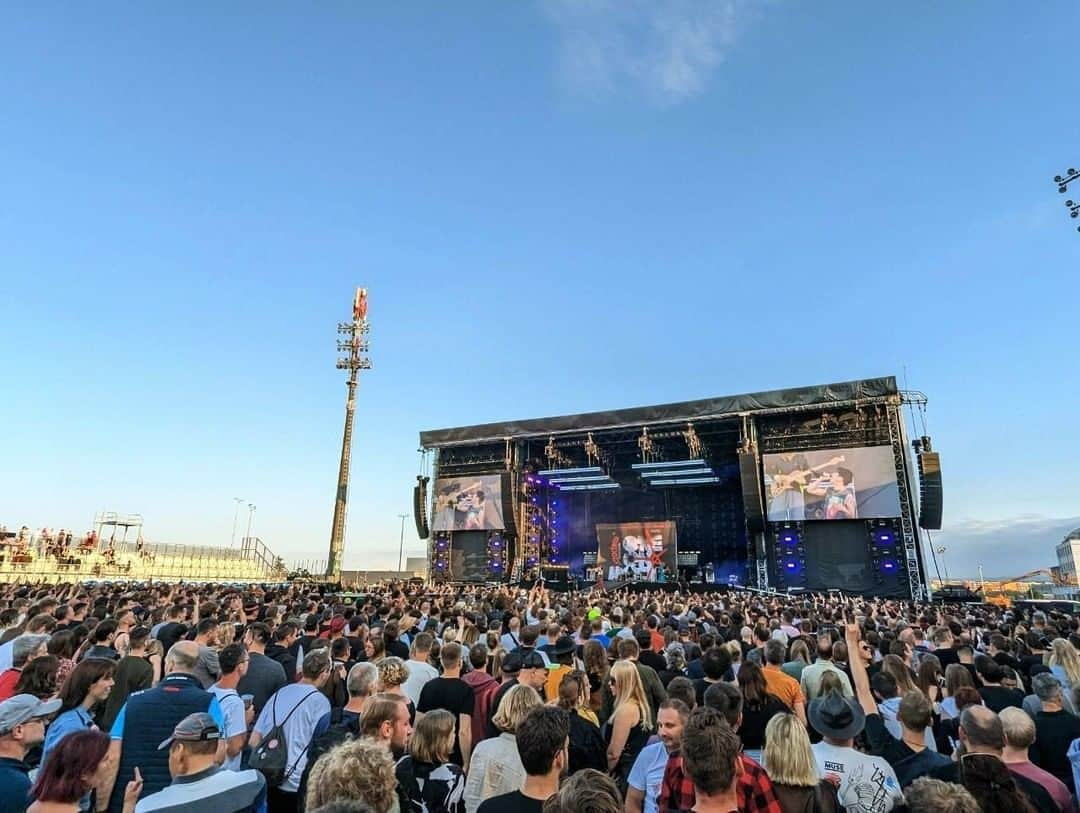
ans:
(74, 767)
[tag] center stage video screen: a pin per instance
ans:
(857, 483)
(636, 550)
(471, 503)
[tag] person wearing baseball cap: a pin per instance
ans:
(22, 726)
(199, 783)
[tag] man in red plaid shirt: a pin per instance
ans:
(753, 788)
(713, 764)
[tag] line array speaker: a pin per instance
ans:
(930, 492)
(419, 501)
(508, 507)
(751, 491)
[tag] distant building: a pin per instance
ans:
(1068, 555)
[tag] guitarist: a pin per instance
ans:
(787, 475)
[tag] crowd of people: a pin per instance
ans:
(495, 699)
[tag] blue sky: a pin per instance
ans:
(557, 206)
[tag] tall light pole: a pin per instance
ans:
(354, 346)
(235, 516)
(251, 517)
(401, 544)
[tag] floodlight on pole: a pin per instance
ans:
(354, 347)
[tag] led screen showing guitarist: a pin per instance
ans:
(830, 484)
(787, 476)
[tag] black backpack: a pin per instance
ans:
(337, 733)
(271, 756)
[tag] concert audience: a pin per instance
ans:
(901, 692)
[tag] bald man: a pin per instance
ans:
(147, 720)
(981, 732)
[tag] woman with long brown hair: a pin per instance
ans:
(85, 688)
(587, 748)
(596, 668)
(759, 707)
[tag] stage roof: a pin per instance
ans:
(707, 408)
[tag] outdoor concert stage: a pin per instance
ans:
(811, 488)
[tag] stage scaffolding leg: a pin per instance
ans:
(908, 530)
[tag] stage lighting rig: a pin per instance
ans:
(693, 442)
(1063, 181)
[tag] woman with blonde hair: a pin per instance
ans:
(495, 766)
(393, 672)
(1064, 663)
(357, 769)
(426, 775)
(631, 722)
(789, 762)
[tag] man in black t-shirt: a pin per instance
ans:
(543, 738)
(451, 693)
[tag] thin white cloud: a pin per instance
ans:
(667, 49)
(1005, 548)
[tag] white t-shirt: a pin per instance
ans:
(300, 726)
(419, 674)
(232, 707)
(867, 783)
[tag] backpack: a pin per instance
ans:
(337, 733)
(271, 756)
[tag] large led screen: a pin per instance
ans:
(636, 550)
(857, 483)
(471, 503)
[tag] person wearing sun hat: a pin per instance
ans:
(865, 782)
(199, 783)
